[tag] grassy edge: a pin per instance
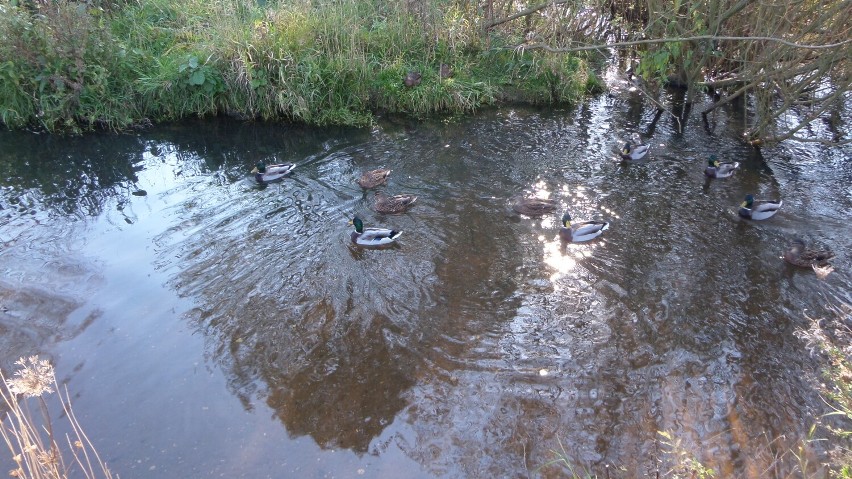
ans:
(340, 63)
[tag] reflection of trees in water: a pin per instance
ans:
(327, 371)
(67, 175)
(652, 333)
(79, 175)
(332, 339)
(349, 391)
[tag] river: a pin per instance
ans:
(206, 326)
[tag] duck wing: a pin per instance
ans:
(724, 170)
(729, 165)
(639, 151)
(766, 206)
(634, 152)
(281, 169)
(587, 230)
(378, 236)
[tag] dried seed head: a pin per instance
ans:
(33, 379)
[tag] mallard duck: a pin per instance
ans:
(373, 178)
(582, 231)
(719, 169)
(372, 236)
(634, 149)
(264, 173)
(412, 78)
(758, 209)
(534, 206)
(800, 254)
(393, 204)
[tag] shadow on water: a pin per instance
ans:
(480, 343)
(62, 176)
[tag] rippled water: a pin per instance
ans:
(207, 326)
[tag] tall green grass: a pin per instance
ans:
(79, 66)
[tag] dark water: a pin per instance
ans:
(208, 327)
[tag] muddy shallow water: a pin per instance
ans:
(210, 327)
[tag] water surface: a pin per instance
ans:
(207, 326)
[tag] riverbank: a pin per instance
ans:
(76, 67)
(830, 337)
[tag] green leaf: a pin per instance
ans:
(197, 78)
(193, 62)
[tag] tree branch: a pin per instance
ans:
(523, 13)
(649, 41)
(727, 99)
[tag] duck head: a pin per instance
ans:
(261, 166)
(713, 161)
(566, 220)
(359, 225)
(749, 201)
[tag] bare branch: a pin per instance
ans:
(523, 13)
(650, 41)
(821, 141)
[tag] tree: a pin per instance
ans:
(788, 60)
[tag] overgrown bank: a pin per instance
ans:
(68, 65)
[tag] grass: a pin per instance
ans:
(831, 337)
(112, 65)
(30, 438)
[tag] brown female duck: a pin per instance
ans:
(799, 254)
(534, 206)
(393, 204)
(373, 178)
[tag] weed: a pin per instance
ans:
(109, 65)
(30, 438)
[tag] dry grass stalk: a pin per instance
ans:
(30, 438)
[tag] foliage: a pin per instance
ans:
(832, 337)
(788, 60)
(314, 62)
(61, 68)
